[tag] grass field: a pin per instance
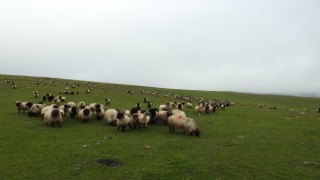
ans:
(240, 142)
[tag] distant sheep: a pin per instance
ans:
(181, 122)
(35, 94)
(53, 116)
(108, 102)
(23, 106)
(111, 116)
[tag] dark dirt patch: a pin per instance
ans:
(110, 162)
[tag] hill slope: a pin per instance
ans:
(243, 142)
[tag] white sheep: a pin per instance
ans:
(53, 116)
(84, 114)
(199, 109)
(181, 122)
(189, 105)
(110, 116)
(23, 106)
(163, 116)
(144, 119)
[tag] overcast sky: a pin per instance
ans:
(263, 46)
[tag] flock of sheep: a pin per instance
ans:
(135, 118)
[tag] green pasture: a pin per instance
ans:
(240, 142)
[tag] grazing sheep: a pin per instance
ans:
(14, 86)
(149, 105)
(181, 122)
(111, 116)
(53, 116)
(122, 121)
(23, 106)
(144, 119)
(84, 114)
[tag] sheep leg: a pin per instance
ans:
(123, 128)
(118, 128)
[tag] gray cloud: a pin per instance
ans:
(252, 46)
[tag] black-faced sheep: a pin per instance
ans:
(44, 98)
(35, 94)
(73, 111)
(23, 106)
(84, 114)
(122, 121)
(153, 115)
(108, 102)
(53, 116)
(180, 106)
(99, 113)
(181, 122)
